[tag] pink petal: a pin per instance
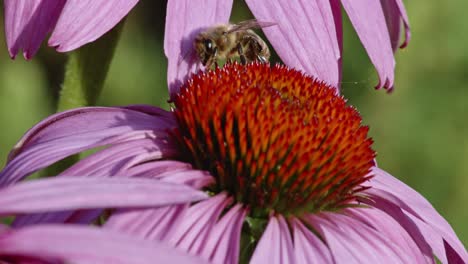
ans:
(197, 223)
(152, 223)
(107, 162)
(275, 245)
(78, 244)
(428, 247)
(116, 159)
(336, 9)
(305, 36)
(74, 131)
(308, 247)
(394, 231)
(223, 243)
(193, 178)
(394, 191)
(83, 21)
(395, 12)
(27, 23)
(352, 241)
(54, 194)
(368, 19)
(154, 169)
(184, 19)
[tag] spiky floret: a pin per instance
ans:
(274, 138)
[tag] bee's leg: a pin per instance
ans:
(261, 59)
(240, 50)
(209, 63)
(212, 60)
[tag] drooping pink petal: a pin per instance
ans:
(115, 160)
(352, 241)
(275, 245)
(79, 244)
(427, 240)
(305, 36)
(184, 19)
(70, 193)
(78, 121)
(83, 21)
(223, 244)
(158, 223)
(368, 19)
(307, 246)
(107, 162)
(197, 223)
(151, 223)
(390, 228)
(152, 169)
(180, 174)
(390, 189)
(27, 23)
(73, 131)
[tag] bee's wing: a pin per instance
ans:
(249, 24)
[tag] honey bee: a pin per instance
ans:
(232, 40)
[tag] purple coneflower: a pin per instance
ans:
(286, 168)
(308, 35)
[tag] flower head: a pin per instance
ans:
(273, 138)
(282, 165)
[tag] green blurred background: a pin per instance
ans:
(420, 130)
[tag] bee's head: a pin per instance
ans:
(205, 48)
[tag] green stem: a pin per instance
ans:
(86, 71)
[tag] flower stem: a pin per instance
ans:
(86, 71)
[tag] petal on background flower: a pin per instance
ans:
(27, 23)
(395, 192)
(223, 244)
(184, 19)
(336, 9)
(368, 20)
(395, 13)
(352, 241)
(79, 244)
(83, 21)
(70, 132)
(305, 36)
(275, 245)
(308, 247)
(59, 193)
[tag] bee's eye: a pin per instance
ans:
(208, 45)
